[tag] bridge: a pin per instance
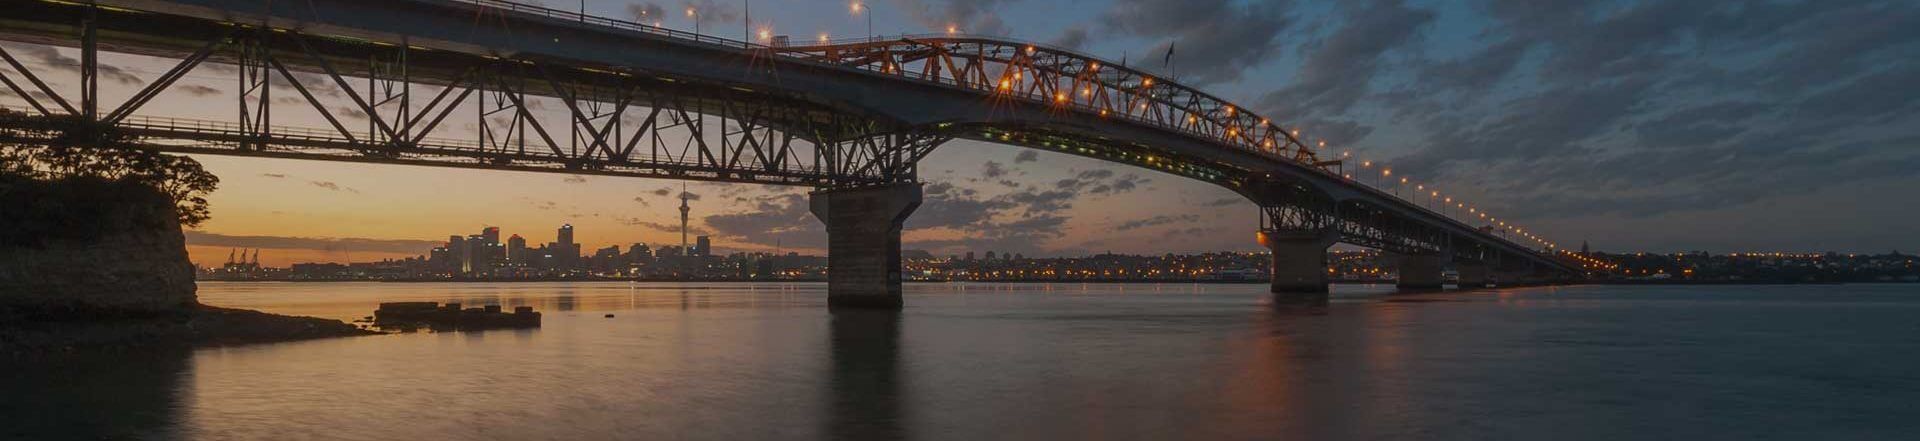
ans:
(849, 118)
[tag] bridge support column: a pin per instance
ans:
(1473, 275)
(1421, 272)
(1299, 261)
(863, 242)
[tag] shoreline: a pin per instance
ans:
(1114, 281)
(199, 326)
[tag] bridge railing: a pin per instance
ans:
(590, 19)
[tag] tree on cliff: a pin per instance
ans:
(43, 155)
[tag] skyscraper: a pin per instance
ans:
(491, 234)
(517, 250)
(703, 246)
(565, 251)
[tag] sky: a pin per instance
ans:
(1634, 125)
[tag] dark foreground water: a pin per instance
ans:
(972, 361)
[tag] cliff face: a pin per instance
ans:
(90, 249)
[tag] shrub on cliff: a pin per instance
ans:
(51, 189)
(180, 178)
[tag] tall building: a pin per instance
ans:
(491, 234)
(566, 252)
(457, 254)
(517, 250)
(703, 247)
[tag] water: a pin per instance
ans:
(974, 361)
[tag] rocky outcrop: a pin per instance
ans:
(91, 264)
(89, 249)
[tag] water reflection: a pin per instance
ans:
(768, 361)
(93, 395)
(866, 396)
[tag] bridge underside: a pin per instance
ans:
(679, 110)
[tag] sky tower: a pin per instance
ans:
(683, 219)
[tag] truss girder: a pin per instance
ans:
(608, 123)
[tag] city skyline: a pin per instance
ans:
(1641, 141)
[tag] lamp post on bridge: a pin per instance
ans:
(694, 14)
(860, 9)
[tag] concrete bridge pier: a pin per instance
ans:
(1473, 275)
(863, 242)
(1299, 262)
(1421, 272)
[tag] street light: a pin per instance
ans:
(858, 8)
(695, 15)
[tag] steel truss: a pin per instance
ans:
(1070, 82)
(1296, 209)
(616, 123)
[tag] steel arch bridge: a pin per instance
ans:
(463, 83)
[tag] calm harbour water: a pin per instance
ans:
(1029, 361)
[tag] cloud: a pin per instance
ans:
(663, 191)
(52, 58)
(969, 16)
(574, 179)
(1213, 40)
(198, 90)
(646, 12)
(1225, 202)
(1338, 70)
(330, 185)
(202, 238)
(945, 206)
(1100, 181)
(784, 220)
(1072, 38)
(274, 175)
(710, 11)
(656, 226)
(1641, 109)
(1159, 220)
(993, 170)
(1026, 156)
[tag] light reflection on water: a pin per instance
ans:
(983, 361)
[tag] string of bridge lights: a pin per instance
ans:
(1449, 205)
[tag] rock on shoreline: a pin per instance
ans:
(199, 326)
